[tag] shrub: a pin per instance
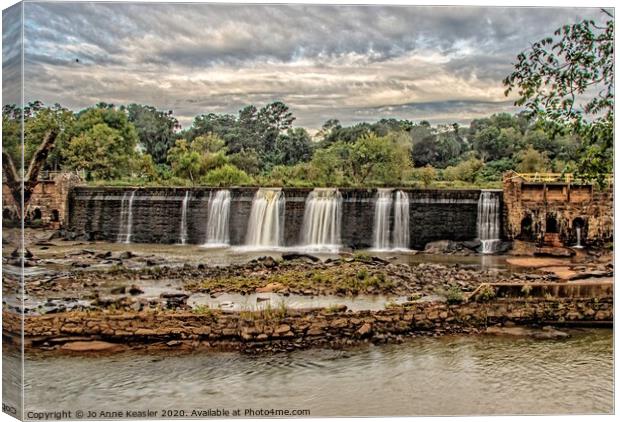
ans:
(454, 294)
(227, 175)
(485, 293)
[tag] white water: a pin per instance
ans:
(266, 225)
(488, 220)
(578, 231)
(400, 234)
(384, 204)
(383, 208)
(217, 221)
(322, 217)
(184, 204)
(126, 223)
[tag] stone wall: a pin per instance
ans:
(305, 328)
(543, 212)
(433, 214)
(48, 202)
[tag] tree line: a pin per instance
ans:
(140, 144)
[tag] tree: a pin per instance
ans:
(567, 81)
(102, 152)
(532, 161)
(293, 147)
(156, 130)
(13, 178)
(227, 175)
(103, 144)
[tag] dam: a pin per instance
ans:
(320, 218)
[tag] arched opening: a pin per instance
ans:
(55, 215)
(527, 228)
(36, 214)
(552, 224)
(7, 214)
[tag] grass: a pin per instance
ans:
(202, 310)
(354, 278)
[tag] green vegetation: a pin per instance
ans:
(454, 295)
(355, 278)
(564, 82)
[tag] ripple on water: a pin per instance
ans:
(450, 375)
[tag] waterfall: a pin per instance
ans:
(400, 233)
(578, 232)
(183, 232)
(217, 221)
(383, 208)
(126, 220)
(488, 220)
(384, 203)
(266, 225)
(322, 216)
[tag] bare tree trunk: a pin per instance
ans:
(13, 179)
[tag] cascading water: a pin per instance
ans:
(217, 221)
(384, 203)
(400, 234)
(578, 233)
(183, 231)
(383, 208)
(322, 217)
(266, 225)
(488, 221)
(126, 220)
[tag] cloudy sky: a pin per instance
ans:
(353, 63)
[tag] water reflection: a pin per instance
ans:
(445, 376)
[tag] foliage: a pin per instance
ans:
(155, 128)
(567, 82)
(226, 175)
(426, 175)
(532, 161)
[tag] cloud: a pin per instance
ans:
(345, 62)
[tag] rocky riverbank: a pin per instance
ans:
(285, 329)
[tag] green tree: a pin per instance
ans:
(156, 130)
(102, 152)
(227, 175)
(532, 161)
(293, 147)
(567, 81)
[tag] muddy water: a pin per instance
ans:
(441, 376)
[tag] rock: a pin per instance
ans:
(126, 255)
(282, 329)
(103, 255)
(135, 290)
(365, 330)
(91, 346)
(545, 333)
(554, 251)
(118, 290)
(442, 246)
(269, 288)
(292, 256)
(472, 244)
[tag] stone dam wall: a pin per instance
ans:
(433, 214)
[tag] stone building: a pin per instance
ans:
(556, 213)
(48, 203)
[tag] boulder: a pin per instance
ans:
(472, 244)
(442, 246)
(91, 346)
(292, 256)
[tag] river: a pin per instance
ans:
(452, 375)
